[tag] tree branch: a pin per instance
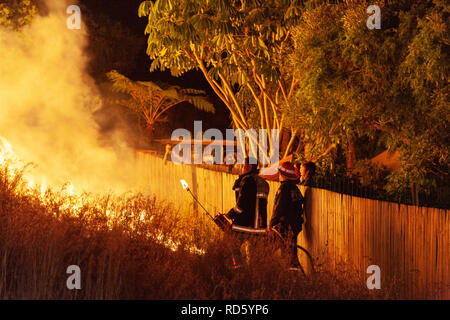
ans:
(217, 90)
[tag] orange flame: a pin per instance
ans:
(184, 184)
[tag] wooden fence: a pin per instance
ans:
(410, 244)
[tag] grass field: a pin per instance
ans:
(134, 247)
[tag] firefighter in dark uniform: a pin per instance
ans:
(287, 216)
(249, 216)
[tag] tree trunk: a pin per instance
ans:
(307, 151)
(284, 140)
(291, 141)
(351, 156)
(150, 129)
(300, 144)
(414, 194)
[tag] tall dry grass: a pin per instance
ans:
(124, 246)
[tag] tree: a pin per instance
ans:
(237, 46)
(423, 74)
(151, 100)
(344, 73)
(16, 14)
(388, 85)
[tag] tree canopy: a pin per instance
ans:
(388, 85)
(16, 14)
(316, 69)
(237, 45)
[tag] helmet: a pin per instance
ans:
(287, 170)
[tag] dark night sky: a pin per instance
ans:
(126, 12)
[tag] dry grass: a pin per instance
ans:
(118, 242)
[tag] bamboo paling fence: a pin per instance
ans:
(410, 244)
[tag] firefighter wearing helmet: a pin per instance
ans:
(287, 216)
(249, 216)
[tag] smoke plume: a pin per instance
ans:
(47, 101)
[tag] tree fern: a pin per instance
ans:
(152, 100)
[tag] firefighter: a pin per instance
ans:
(249, 216)
(287, 216)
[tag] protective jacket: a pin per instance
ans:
(250, 213)
(237, 184)
(287, 213)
